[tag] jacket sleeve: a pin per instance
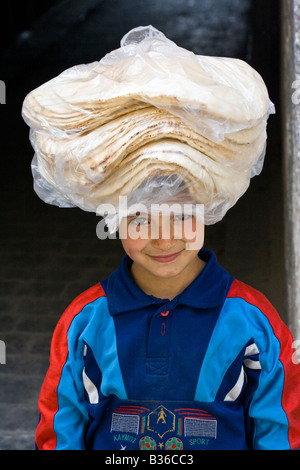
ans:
(62, 406)
(275, 404)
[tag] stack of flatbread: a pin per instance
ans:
(146, 110)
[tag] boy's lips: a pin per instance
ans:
(166, 258)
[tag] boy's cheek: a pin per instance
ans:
(195, 245)
(133, 247)
(193, 235)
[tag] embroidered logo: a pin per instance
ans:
(161, 420)
(127, 419)
(198, 423)
(147, 443)
(152, 428)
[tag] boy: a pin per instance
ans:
(170, 352)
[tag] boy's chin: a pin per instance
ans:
(167, 271)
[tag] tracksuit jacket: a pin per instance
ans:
(214, 368)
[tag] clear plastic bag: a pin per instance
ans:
(148, 110)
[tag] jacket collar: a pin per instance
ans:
(208, 290)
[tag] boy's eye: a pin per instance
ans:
(182, 217)
(140, 221)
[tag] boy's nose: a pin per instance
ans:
(164, 243)
(162, 234)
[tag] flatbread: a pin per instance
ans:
(150, 108)
(212, 94)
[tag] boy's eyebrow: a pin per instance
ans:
(138, 214)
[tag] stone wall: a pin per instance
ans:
(290, 94)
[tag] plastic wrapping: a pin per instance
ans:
(148, 110)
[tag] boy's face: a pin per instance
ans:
(162, 245)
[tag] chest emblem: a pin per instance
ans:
(161, 428)
(161, 420)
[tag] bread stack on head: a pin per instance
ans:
(146, 110)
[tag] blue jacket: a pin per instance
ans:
(214, 368)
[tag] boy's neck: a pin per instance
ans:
(166, 288)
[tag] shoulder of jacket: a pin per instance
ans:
(253, 297)
(77, 305)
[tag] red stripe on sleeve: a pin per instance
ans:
(291, 388)
(48, 401)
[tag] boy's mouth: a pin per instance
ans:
(166, 258)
